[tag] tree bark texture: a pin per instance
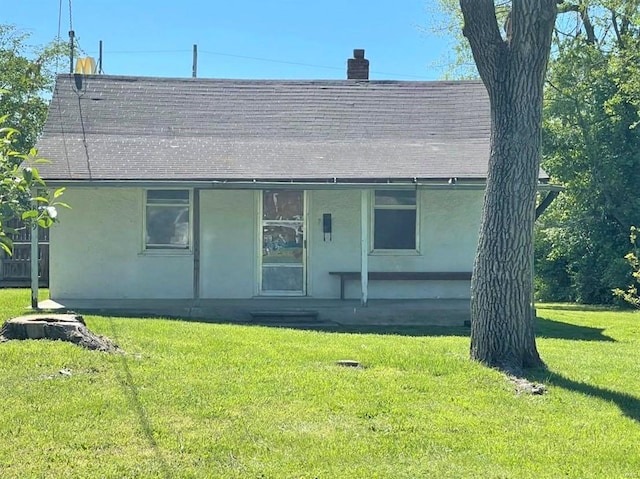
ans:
(513, 71)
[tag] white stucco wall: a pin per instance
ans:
(448, 233)
(96, 252)
(97, 249)
(228, 247)
(342, 251)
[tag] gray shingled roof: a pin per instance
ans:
(137, 128)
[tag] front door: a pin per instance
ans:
(282, 260)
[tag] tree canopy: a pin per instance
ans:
(23, 194)
(27, 78)
(591, 145)
(26, 82)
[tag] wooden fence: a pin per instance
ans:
(15, 270)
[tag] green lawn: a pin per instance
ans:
(225, 401)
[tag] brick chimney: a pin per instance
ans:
(358, 66)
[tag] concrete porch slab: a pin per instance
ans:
(341, 313)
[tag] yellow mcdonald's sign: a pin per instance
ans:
(86, 66)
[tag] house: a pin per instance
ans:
(198, 189)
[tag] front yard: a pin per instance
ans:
(198, 400)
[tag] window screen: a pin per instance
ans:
(167, 219)
(394, 220)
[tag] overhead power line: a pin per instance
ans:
(252, 58)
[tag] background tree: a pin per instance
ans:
(458, 63)
(632, 295)
(590, 145)
(23, 194)
(513, 71)
(26, 81)
(27, 78)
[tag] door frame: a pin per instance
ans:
(259, 244)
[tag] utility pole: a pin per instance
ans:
(194, 70)
(100, 58)
(72, 35)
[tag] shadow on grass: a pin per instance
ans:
(576, 307)
(317, 326)
(545, 328)
(393, 330)
(549, 328)
(629, 405)
(130, 391)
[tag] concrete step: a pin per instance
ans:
(284, 315)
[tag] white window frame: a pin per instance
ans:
(167, 249)
(415, 207)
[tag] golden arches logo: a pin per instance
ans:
(86, 66)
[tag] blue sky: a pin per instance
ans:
(268, 39)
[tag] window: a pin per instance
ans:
(167, 219)
(394, 220)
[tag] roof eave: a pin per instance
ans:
(262, 183)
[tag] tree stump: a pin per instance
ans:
(62, 327)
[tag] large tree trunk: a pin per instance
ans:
(502, 318)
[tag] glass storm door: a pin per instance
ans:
(282, 264)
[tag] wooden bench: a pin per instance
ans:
(401, 276)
